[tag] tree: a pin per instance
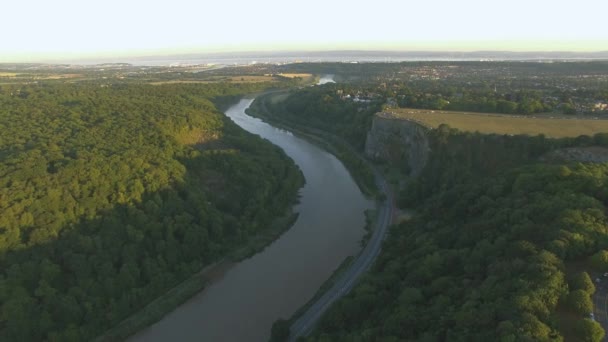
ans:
(568, 109)
(506, 107)
(599, 261)
(103, 206)
(589, 330)
(580, 302)
(582, 281)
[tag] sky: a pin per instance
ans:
(42, 29)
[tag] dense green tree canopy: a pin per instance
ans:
(482, 261)
(582, 281)
(484, 258)
(110, 195)
(590, 330)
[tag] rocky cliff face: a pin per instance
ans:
(401, 142)
(590, 154)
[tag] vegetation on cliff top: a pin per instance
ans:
(485, 257)
(550, 126)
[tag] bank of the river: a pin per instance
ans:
(242, 303)
(359, 168)
(164, 304)
(371, 181)
(185, 290)
(370, 221)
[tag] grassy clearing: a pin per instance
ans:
(217, 79)
(555, 127)
(250, 79)
(41, 76)
(296, 75)
(180, 81)
(59, 76)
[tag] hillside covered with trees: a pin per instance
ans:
(319, 112)
(488, 254)
(112, 194)
(499, 247)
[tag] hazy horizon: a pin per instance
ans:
(67, 30)
(292, 56)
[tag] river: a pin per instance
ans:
(241, 303)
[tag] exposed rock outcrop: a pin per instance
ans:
(401, 142)
(590, 154)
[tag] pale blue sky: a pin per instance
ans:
(68, 28)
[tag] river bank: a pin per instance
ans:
(346, 277)
(182, 292)
(359, 168)
(288, 272)
(185, 290)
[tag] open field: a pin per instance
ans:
(38, 76)
(249, 79)
(296, 75)
(216, 79)
(556, 127)
(59, 76)
(181, 82)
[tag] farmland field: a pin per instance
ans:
(296, 75)
(551, 126)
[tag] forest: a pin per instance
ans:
(111, 194)
(338, 126)
(487, 256)
(501, 247)
(484, 260)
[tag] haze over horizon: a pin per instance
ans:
(67, 30)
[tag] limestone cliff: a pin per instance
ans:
(401, 142)
(588, 154)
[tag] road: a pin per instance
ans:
(306, 322)
(600, 303)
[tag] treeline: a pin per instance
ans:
(319, 114)
(460, 157)
(485, 257)
(491, 87)
(322, 108)
(112, 194)
(522, 102)
(473, 70)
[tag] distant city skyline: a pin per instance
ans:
(37, 30)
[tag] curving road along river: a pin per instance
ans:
(243, 302)
(343, 285)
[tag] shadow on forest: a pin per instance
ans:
(111, 263)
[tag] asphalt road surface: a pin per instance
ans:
(306, 322)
